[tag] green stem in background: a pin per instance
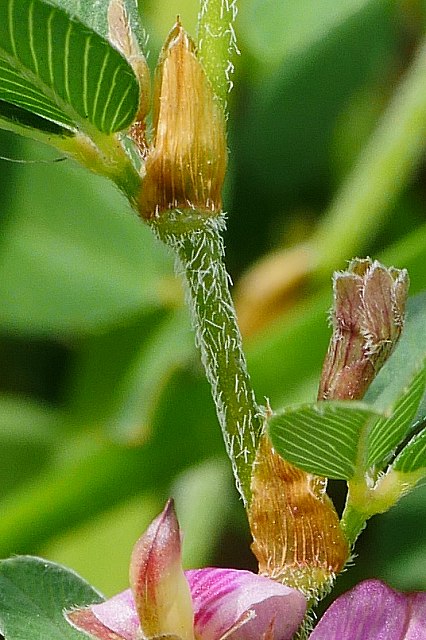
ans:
(381, 172)
(103, 155)
(198, 245)
(217, 43)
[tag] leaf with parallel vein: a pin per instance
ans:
(57, 68)
(324, 438)
(338, 439)
(11, 115)
(388, 433)
(94, 15)
(412, 458)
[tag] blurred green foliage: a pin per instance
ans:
(104, 410)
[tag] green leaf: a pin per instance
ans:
(203, 499)
(29, 438)
(413, 457)
(290, 104)
(387, 433)
(324, 438)
(399, 386)
(185, 433)
(168, 347)
(409, 357)
(24, 421)
(113, 532)
(69, 262)
(54, 66)
(121, 374)
(334, 439)
(95, 15)
(33, 596)
(11, 114)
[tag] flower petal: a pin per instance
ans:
(244, 605)
(115, 619)
(417, 612)
(159, 586)
(374, 611)
(86, 621)
(119, 614)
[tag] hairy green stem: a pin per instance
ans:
(381, 172)
(353, 523)
(217, 43)
(198, 246)
(364, 501)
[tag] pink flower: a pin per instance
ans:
(208, 604)
(374, 611)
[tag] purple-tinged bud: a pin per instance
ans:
(160, 589)
(367, 319)
(202, 604)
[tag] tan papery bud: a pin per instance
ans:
(186, 163)
(297, 538)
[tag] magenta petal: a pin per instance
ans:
(373, 611)
(118, 614)
(224, 597)
(417, 612)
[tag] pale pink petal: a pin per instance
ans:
(85, 620)
(119, 614)
(157, 580)
(224, 597)
(373, 611)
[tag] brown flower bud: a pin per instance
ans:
(297, 538)
(186, 163)
(367, 319)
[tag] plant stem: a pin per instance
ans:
(198, 245)
(217, 43)
(108, 158)
(353, 523)
(381, 172)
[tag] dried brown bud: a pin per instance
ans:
(297, 538)
(186, 163)
(367, 318)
